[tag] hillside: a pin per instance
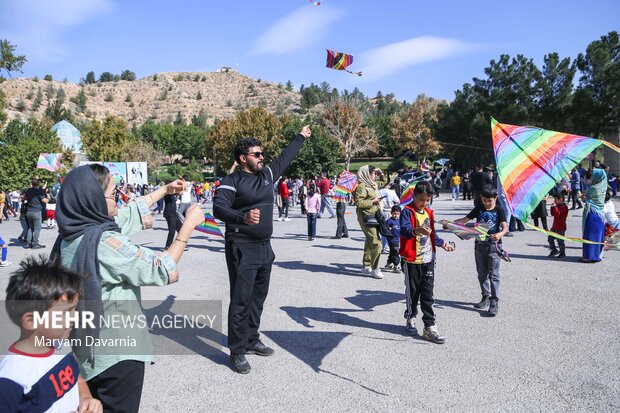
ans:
(158, 97)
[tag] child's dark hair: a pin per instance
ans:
(423, 188)
(37, 284)
(560, 195)
(396, 208)
(489, 191)
(311, 190)
(243, 145)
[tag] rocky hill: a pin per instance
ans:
(158, 97)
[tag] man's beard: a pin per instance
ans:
(257, 168)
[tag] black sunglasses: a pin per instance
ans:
(256, 154)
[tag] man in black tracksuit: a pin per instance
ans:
(244, 201)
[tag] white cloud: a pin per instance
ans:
(36, 26)
(386, 60)
(297, 30)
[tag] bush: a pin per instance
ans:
(396, 164)
(109, 97)
(49, 78)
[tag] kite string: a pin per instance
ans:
(563, 237)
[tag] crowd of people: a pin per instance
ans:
(93, 260)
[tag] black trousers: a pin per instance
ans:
(341, 224)
(544, 222)
(119, 388)
(419, 285)
(552, 240)
(394, 256)
(174, 226)
(574, 196)
(249, 270)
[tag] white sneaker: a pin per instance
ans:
(287, 219)
(280, 219)
(5, 263)
(376, 273)
(366, 271)
(389, 267)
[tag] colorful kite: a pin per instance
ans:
(316, 3)
(209, 226)
(407, 196)
(49, 161)
(347, 182)
(467, 231)
(340, 61)
(424, 166)
(530, 161)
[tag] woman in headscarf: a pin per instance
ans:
(94, 241)
(368, 203)
(593, 220)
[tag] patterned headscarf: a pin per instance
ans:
(595, 196)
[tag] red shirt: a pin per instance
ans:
(559, 214)
(283, 189)
(324, 186)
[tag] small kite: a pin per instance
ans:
(347, 182)
(209, 226)
(530, 161)
(424, 166)
(340, 61)
(316, 3)
(49, 161)
(467, 231)
(407, 196)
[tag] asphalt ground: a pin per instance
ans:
(341, 342)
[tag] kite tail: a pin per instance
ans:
(354, 73)
(562, 237)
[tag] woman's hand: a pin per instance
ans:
(176, 187)
(194, 216)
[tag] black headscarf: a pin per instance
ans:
(81, 210)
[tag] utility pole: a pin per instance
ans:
(214, 162)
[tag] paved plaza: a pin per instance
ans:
(341, 342)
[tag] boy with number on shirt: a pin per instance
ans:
(418, 243)
(32, 377)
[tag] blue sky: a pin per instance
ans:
(405, 47)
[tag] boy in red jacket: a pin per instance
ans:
(417, 250)
(559, 212)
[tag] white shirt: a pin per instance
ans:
(611, 217)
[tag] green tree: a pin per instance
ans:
(48, 78)
(80, 101)
(199, 96)
(106, 77)
(56, 111)
(9, 61)
(38, 100)
(318, 154)
(90, 78)
(555, 93)
(106, 140)
(596, 108)
(25, 141)
(128, 75)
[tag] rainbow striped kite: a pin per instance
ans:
(347, 182)
(407, 196)
(530, 161)
(49, 161)
(209, 226)
(479, 231)
(340, 61)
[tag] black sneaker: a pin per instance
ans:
(493, 309)
(260, 349)
(553, 253)
(483, 303)
(345, 236)
(240, 363)
(561, 256)
(37, 247)
(335, 237)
